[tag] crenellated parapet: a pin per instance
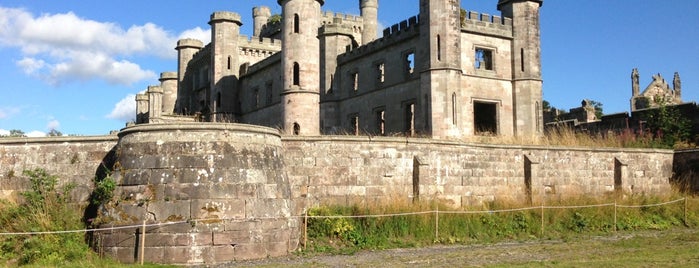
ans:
(265, 45)
(475, 22)
(395, 34)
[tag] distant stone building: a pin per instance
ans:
(442, 73)
(658, 92)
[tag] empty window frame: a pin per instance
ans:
(380, 72)
(485, 117)
(484, 59)
(296, 74)
(296, 23)
(354, 124)
(354, 79)
(380, 121)
(409, 62)
(409, 119)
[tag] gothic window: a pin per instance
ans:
(410, 62)
(484, 59)
(381, 72)
(296, 74)
(381, 122)
(296, 23)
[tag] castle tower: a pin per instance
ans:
(155, 103)
(260, 16)
(141, 108)
(300, 66)
(370, 14)
(334, 39)
(168, 81)
(439, 56)
(526, 50)
(186, 48)
(225, 67)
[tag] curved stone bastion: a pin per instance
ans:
(208, 193)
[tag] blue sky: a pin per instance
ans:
(76, 65)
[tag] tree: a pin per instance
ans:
(667, 123)
(54, 133)
(17, 133)
(599, 112)
(275, 18)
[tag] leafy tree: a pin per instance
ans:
(599, 111)
(275, 18)
(667, 123)
(54, 133)
(17, 133)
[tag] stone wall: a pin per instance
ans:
(74, 160)
(362, 170)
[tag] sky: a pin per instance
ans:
(75, 66)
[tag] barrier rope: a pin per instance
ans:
(338, 216)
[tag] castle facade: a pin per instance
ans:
(444, 73)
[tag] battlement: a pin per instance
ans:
(189, 43)
(246, 41)
(486, 23)
(202, 53)
(269, 61)
(271, 28)
(168, 75)
(397, 33)
(225, 16)
(329, 16)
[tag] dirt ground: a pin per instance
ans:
(529, 253)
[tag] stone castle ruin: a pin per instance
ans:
(206, 168)
(437, 74)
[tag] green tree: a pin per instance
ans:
(54, 133)
(275, 18)
(599, 111)
(667, 123)
(17, 133)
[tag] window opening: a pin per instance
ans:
(453, 108)
(410, 119)
(296, 74)
(380, 69)
(484, 59)
(229, 62)
(439, 48)
(355, 81)
(297, 129)
(410, 63)
(381, 122)
(296, 23)
(355, 124)
(485, 118)
(521, 54)
(218, 100)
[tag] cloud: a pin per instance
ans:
(125, 109)
(53, 124)
(35, 134)
(60, 48)
(197, 33)
(7, 112)
(4, 132)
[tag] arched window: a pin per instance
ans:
(296, 74)
(297, 129)
(296, 23)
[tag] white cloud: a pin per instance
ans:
(197, 33)
(4, 132)
(53, 124)
(125, 109)
(61, 48)
(8, 112)
(35, 134)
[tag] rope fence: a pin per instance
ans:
(436, 212)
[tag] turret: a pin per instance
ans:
(370, 14)
(168, 81)
(155, 103)
(186, 48)
(225, 67)
(300, 66)
(439, 59)
(526, 50)
(141, 108)
(334, 39)
(260, 16)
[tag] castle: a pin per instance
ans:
(442, 74)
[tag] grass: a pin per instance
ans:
(348, 235)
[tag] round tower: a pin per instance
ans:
(186, 48)
(168, 81)
(370, 15)
(260, 16)
(225, 66)
(301, 66)
(155, 103)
